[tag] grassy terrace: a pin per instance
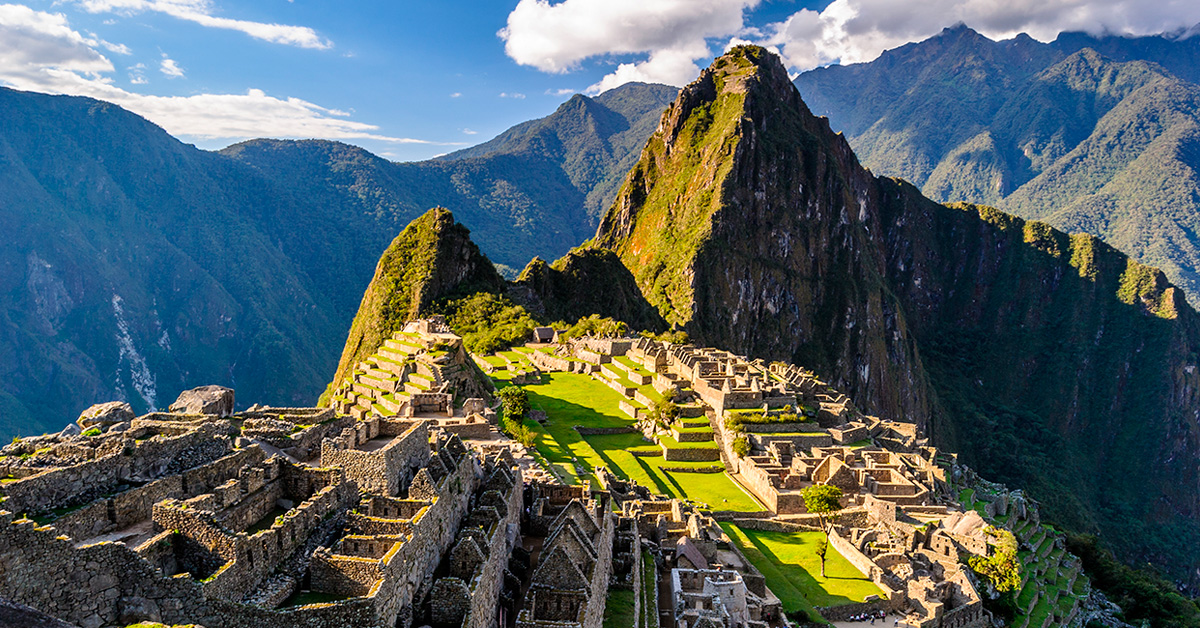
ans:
(495, 360)
(571, 399)
(790, 564)
(671, 443)
(618, 611)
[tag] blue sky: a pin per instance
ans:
(410, 80)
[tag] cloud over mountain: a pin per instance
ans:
(661, 42)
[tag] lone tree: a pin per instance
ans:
(821, 500)
(515, 402)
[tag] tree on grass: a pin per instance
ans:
(821, 500)
(1001, 567)
(514, 401)
(822, 549)
(664, 412)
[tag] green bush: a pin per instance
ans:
(92, 431)
(741, 446)
(664, 412)
(736, 420)
(487, 322)
(514, 401)
(673, 337)
(595, 325)
(1001, 567)
(1142, 594)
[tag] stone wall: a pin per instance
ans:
(604, 431)
(248, 559)
(407, 570)
(487, 580)
(109, 585)
(144, 460)
(384, 470)
(844, 612)
(681, 454)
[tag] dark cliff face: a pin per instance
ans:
(1049, 361)
(1057, 364)
(581, 283)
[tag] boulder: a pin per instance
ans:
(216, 400)
(119, 427)
(103, 414)
(71, 430)
(134, 610)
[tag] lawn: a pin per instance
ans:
(571, 399)
(789, 561)
(618, 611)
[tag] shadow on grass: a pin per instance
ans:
(799, 576)
(662, 488)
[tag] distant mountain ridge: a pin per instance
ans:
(133, 266)
(1092, 134)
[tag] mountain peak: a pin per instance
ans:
(431, 259)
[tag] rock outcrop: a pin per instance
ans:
(216, 400)
(105, 414)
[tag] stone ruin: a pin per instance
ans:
(265, 517)
(419, 513)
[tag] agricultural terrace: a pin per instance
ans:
(792, 568)
(571, 399)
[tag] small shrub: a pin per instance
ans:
(92, 431)
(741, 446)
(514, 401)
(664, 412)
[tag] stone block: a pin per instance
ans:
(104, 414)
(216, 400)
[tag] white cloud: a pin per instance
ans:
(469, 132)
(852, 31)
(201, 12)
(137, 74)
(673, 33)
(117, 49)
(456, 94)
(40, 52)
(515, 95)
(668, 37)
(170, 68)
(561, 92)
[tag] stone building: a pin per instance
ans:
(570, 583)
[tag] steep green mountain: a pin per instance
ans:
(133, 266)
(1093, 134)
(1049, 361)
(432, 259)
(537, 189)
